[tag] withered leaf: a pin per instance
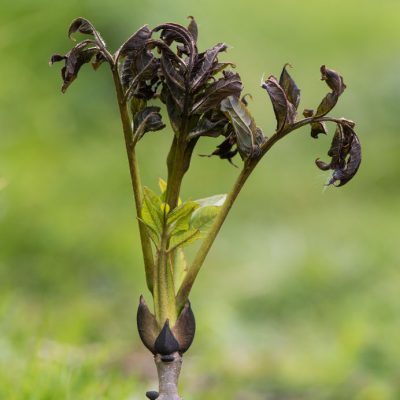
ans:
(207, 127)
(205, 66)
(289, 87)
(74, 59)
(146, 120)
(336, 84)
(229, 85)
(345, 153)
(285, 112)
(136, 42)
(248, 137)
(225, 150)
(84, 26)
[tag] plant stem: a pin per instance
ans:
(168, 375)
(194, 269)
(135, 178)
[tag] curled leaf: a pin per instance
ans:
(248, 137)
(285, 111)
(225, 150)
(84, 26)
(336, 84)
(345, 153)
(79, 55)
(146, 120)
(289, 87)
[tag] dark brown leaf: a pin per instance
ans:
(289, 87)
(166, 343)
(229, 85)
(248, 137)
(193, 28)
(336, 84)
(225, 150)
(84, 26)
(136, 42)
(146, 120)
(285, 112)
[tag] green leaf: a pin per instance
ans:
(154, 236)
(184, 238)
(182, 212)
(203, 218)
(152, 212)
(216, 200)
(180, 267)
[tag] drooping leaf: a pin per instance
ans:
(229, 85)
(248, 137)
(225, 150)
(135, 43)
(208, 127)
(79, 55)
(289, 87)
(316, 127)
(336, 84)
(84, 26)
(285, 112)
(146, 120)
(345, 153)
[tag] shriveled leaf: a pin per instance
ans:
(146, 120)
(136, 42)
(79, 55)
(193, 28)
(84, 26)
(225, 150)
(336, 84)
(289, 87)
(345, 153)
(205, 66)
(207, 127)
(248, 137)
(318, 128)
(285, 112)
(229, 85)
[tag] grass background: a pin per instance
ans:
(299, 298)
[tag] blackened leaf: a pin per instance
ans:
(318, 128)
(333, 80)
(146, 120)
(193, 28)
(86, 27)
(229, 85)
(147, 325)
(166, 342)
(206, 127)
(289, 86)
(205, 66)
(185, 328)
(248, 137)
(285, 112)
(136, 42)
(345, 153)
(74, 59)
(226, 150)
(345, 174)
(98, 60)
(336, 84)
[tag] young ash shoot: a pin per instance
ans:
(202, 97)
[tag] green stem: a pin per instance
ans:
(201, 255)
(135, 178)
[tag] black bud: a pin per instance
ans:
(152, 395)
(166, 343)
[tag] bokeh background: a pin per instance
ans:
(300, 296)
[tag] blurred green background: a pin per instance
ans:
(299, 298)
